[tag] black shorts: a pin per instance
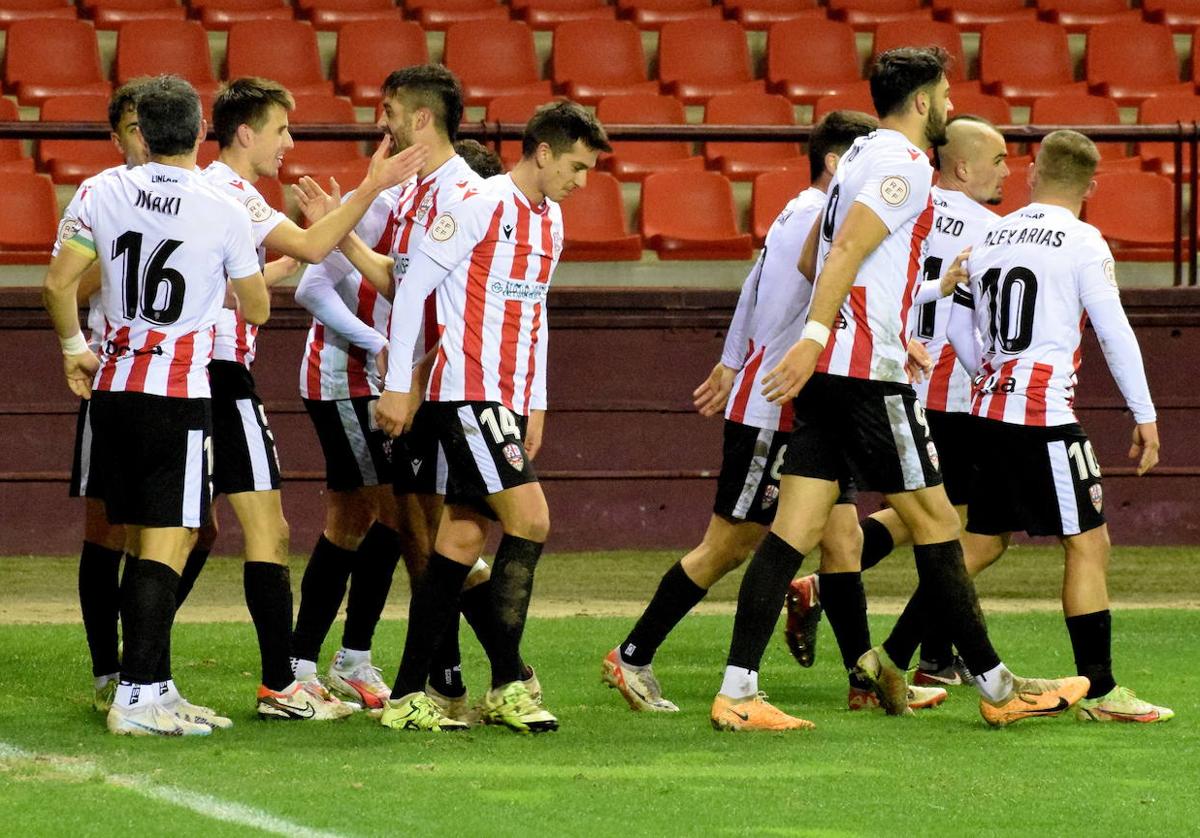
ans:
(484, 443)
(244, 455)
(751, 463)
(83, 483)
(356, 452)
(1043, 481)
(870, 433)
(954, 434)
(154, 460)
(419, 463)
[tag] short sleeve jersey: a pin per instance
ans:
(958, 222)
(166, 240)
(491, 310)
(889, 175)
(1032, 276)
(777, 301)
(237, 339)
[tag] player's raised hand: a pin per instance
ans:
(793, 372)
(80, 370)
(1145, 447)
(711, 396)
(314, 201)
(955, 274)
(919, 363)
(387, 169)
(392, 412)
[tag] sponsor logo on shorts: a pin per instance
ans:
(512, 452)
(770, 495)
(931, 450)
(416, 466)
(1096, 493)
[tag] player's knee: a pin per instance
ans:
(842, 552)
(534, 526)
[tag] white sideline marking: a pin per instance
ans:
(202, 804)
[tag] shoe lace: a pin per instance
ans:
(368, 673)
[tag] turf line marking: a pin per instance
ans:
(203, 804)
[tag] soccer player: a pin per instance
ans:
(971, 170)
(490, 258)
(250, 119)
(166, 242)
(103, 543)
(765, 325)
(1037, 276)
(860, 417)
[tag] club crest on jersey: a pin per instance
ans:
(68, 228)
(443, 228)
(1110, 272)
(512, 453)
(931, 450)
(1096, 493)
(258, 209)
(894, 190)
(424, 208)
(770, 495)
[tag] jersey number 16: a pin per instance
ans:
(155, 291)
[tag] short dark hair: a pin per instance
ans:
(482, 160)
(1068, 159)
(246, 101)
(962, 117)
(899, 73)
(835, 133)
(125, 98)
(429, 86)
(168, 112)
(560, 125)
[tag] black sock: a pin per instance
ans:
(937, 652)
(268, 589)
(845, 604)
(677, 594)
(321, 592)
(476, 605)
(760, 600)
(191, 570)
(445, 669)
(147, 611)
(1091, 640)
(877, 543)
(951, 604)
(371, 579)
(512, 588)
(910, 627)
(100, 604)
(432, 606)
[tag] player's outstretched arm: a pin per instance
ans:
(932, 290)
(253, 300)
(278, 270)
(59, 290)
(961, 332)
(316, 203)
(317, 292)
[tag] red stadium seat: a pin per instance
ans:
(12, 155)
(1022, 61)
(1132, 61)
(110, 14)
(580, 76)
(516, 108)
(1081, 15)
(594, 220)
(691, 215)
(13, 10)
(71, 161)
(744, 161)
(28, 218)
(1075, 109)
(857, 98)
(493, 58)
(1167, 109)
(1135, 212)
(807, 59)
(292, 60)
(973, 15)
(1180, 15)
(992, 108)
(550, 14)
(892, 34)
(653, 14)
(151, 47)
(699, 59)
(334, 14)
(74, 70)
(1016, 186)
(442, 14)
(368, 51)
(865, 15)
(221, 14)
(762, 14)
(772, 191)
(634, 160)
(342, 159)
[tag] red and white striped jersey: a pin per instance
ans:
(958, 222)
(500, 253)
(237, 339)
(166, 240)
(768, 319)
(890, 176)
(1034, 276)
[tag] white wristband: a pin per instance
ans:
(814, 331)
(74, 345)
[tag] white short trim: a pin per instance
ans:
(911, 469)
(1064, 487)
(353, 431)
(484, 461)
(85, 450)
(252, 430)
(754, 473)
(194, 484)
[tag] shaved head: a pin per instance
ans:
(972, 160)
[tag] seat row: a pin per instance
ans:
(682, 215)
(1019, 60)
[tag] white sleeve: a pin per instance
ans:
(241, 255)
(69, 224)
(1098, 293)
(737, 341)
(898, 188)
(929, 291)
(960, 330)
(317, 292)
(422, 277)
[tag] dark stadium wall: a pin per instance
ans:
(626, 462)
